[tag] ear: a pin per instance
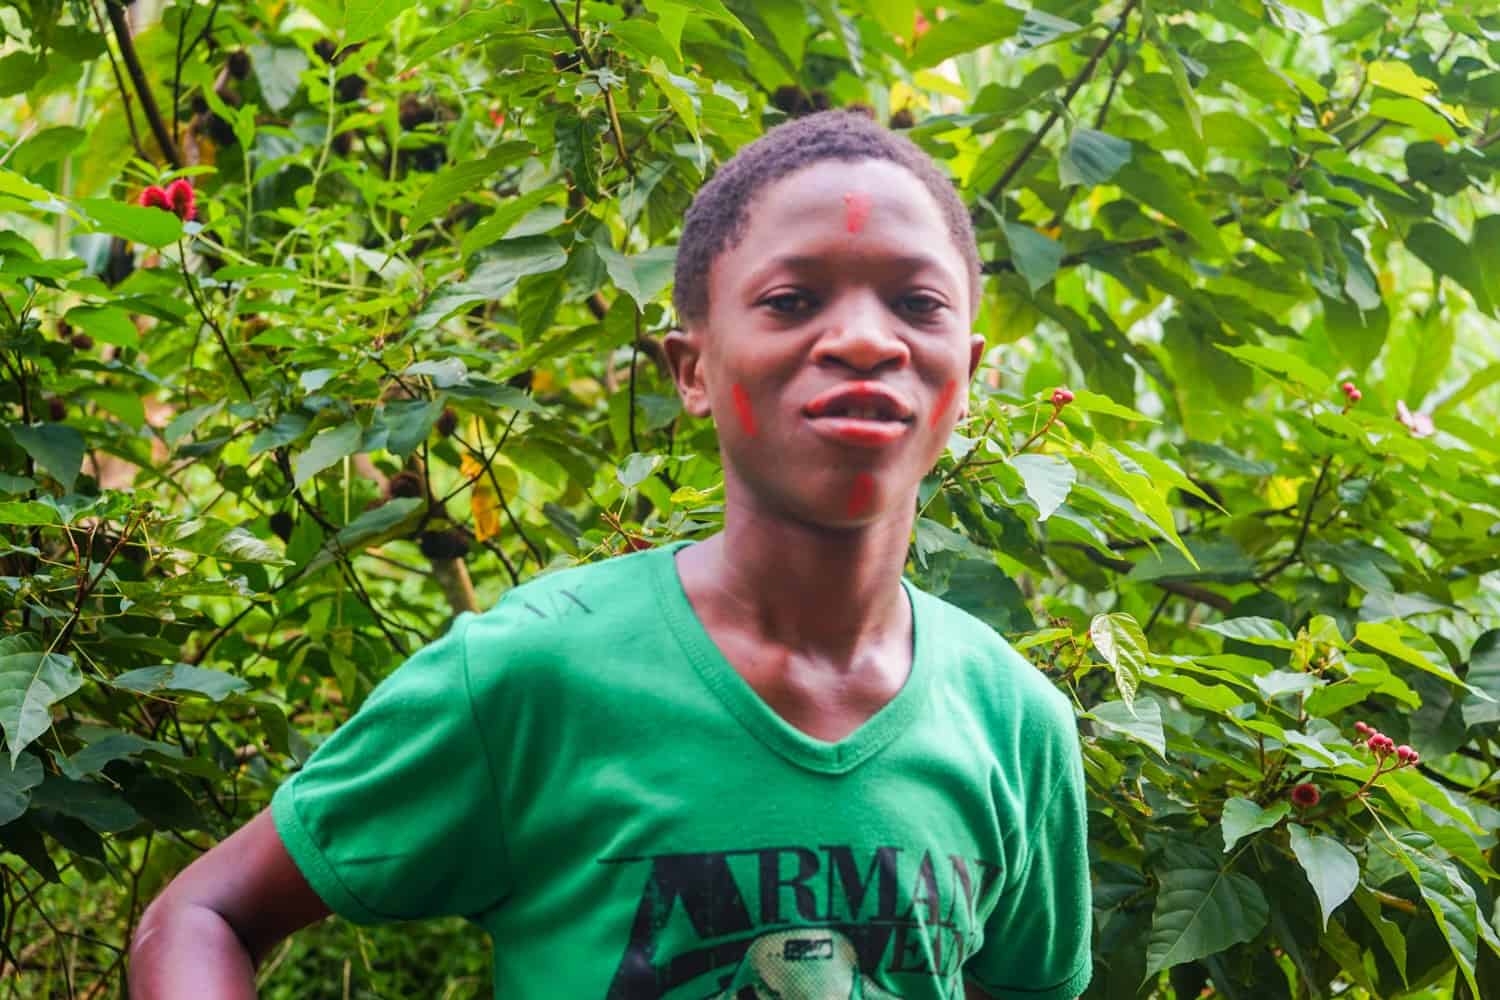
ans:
(976, 355)
(684, 349)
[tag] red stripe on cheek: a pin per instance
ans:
(862, 494)
(945, 400)
(742, 409)
(856, 210)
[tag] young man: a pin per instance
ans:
(760, 765)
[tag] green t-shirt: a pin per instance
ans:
(582, 773)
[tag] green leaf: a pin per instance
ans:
(326, 448)
(1092, 157)
(409, 421)
(1254, 629)
(1401, 78)
(109, 746)
(1036, 256)
(642, 276)
(1086, 401)
(155, 227)
(374, 527)
(278, 69)
(1483, 675)
(1331, 869)
(181, 678)
(987, 592)
(1356, 335)
(500, 268)
(1201, 908)
(1429, 123)
(1281, 363)
(1390, 639)
(28, 512)
(1242, 817)
(964, 30)
(1452, 903)
(57, 448)
(100, 807)
(1140, 720)
(1450, 257)
(18, 776)
(1118, 638)
(1390, 934)
(636, 468)
(367, 18)
(1048, 480)
(1168, 188)
(31, 682)
(499, 222)
(51, 145)
(461, 178)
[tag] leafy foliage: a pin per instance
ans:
(405, 353)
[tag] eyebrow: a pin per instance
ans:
(804, 262)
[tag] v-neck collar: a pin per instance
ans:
(751, 710)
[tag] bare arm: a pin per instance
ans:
(205, 933)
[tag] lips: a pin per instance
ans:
(863, 414)
(863, 401)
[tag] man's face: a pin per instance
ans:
(836, 353)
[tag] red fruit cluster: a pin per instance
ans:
(1305, 795)
(1352, 393)
(177, 197)
(1061, 397)
(1382, 746)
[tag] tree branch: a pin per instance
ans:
(1077, 83)
(142, 87)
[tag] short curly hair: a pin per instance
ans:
(719, 213)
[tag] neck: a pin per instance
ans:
(804, 585)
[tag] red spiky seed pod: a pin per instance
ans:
(1305, 795)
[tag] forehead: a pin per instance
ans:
(879, 192)
(845, 213)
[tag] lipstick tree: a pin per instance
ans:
(321, 324)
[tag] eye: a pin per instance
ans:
(789, 303)
(922, 304)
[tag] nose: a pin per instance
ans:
(861, 335)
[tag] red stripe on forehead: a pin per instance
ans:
(856, 210)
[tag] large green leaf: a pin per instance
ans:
(1331, 869)
(18, 776)
(500, 267)
(1242, 818)
(155, 227)
(1119, 639)
(31, 682)
(326, 448)
(1048, 480)
(57, 448)
(182, 678)
(1140, 720)
(1035, 255)
(1202, 908)
(458, 180)
(1483, 675)
(964, 30)
(1092, 157)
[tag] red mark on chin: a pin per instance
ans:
(742, 408)
(945, 399)
(856, 210)
(862, 494)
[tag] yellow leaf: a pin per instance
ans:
(1281, 491)
(483, 503)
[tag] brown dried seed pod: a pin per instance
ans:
(447, 423)
(404, 484)
(451, 544)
